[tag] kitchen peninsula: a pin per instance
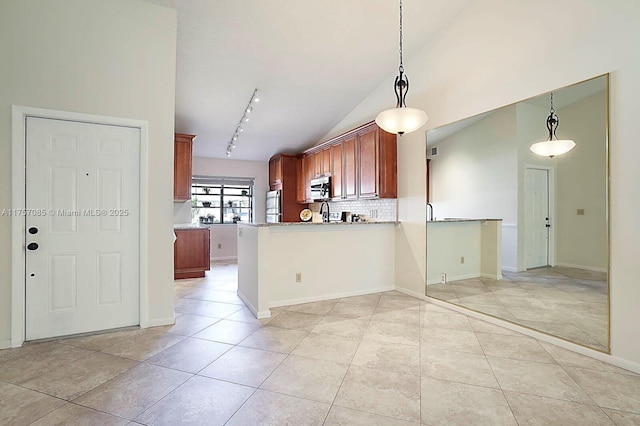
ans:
(464, 248)
(283, 264)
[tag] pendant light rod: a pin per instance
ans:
(401, 120)
(401, 85)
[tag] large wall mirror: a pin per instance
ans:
(520, 236)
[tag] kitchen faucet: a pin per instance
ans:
(430, 208)
(325, 214)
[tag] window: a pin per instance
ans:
(221, 200)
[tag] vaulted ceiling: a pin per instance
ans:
(311, 61)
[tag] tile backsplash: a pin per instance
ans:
(382, 210)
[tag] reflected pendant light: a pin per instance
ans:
(553, 146)
(401, 119)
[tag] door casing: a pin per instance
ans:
(18, 225)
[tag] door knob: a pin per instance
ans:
(32, 246)
(33, 230)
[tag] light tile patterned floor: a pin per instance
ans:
(565, 302)
(381, 359)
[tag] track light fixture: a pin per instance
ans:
(245, 117)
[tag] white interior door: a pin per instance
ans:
(82, 227)
(537, 220)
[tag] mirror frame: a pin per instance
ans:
(607, 210)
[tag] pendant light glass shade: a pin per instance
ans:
(401, 120)
(552, 146)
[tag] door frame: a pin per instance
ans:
(551, 193)
(18, 222)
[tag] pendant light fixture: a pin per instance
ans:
(401, 119)
(553, 146)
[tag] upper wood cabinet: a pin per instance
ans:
(388, 165)
(369, 163)
(361, 162)
(284, 171)
(182, 162)
(326, 168)
(337, 171)
(350, 179)
(275, 171)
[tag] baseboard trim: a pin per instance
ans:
(331, 296)
(455, 278)
(157, 322)
(586, 268)
(213, 259)
(509, 269)
(5, 344)
(249, 305)
(491, 276)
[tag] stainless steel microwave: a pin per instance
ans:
(321, 188)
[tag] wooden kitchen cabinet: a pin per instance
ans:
(308, 172)
(283, 175)
(369, 163)
(326, 168)
(275, 171)
(191, 253)
(388, 165)
(337, 181)
(350, 168)
(182, 163)
(362, 163)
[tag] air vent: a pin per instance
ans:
(432, 152)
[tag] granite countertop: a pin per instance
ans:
(321, 223)
(189, 226)
(456, 219)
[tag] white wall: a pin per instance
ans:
(495, 53)
(475, 175)
(582, 239)
(114, 58)
(224, 242)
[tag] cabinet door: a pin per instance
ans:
(308, 170)
(388, 165)
(350, 168)
(337, 172)
(326, 162)
(182, 150)
(369, 170)
(301, 182)
(275, 170)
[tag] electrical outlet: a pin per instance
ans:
(461, 259)
(239, 232)
(219, 245)
(298, 277)
(443, 278)
(580, 212)
(373, 214)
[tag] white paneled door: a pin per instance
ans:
(82, 227)
(537, 220)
